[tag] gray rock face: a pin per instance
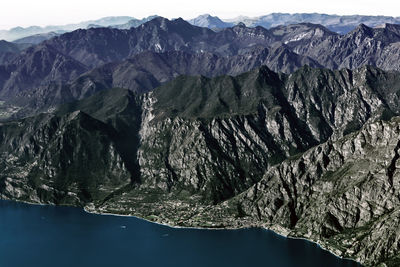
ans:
(290, 115)
(208, 157)
(343, 194)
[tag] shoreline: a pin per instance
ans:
(275, 231)
(281, 234)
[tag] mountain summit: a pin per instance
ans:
(209, 21)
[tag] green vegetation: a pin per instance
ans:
(224, 96)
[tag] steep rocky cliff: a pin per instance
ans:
(312, 154)
(343, 194)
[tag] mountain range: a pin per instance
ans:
(335, 23)
(341, 24)
(294, 128)
(76, 64)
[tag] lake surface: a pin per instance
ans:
(32, 235)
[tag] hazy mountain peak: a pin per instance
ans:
(206, 20)
(206, 16)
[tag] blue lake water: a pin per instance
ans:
(32, 235)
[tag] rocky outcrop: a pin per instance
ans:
(70, 157)
(343, 194)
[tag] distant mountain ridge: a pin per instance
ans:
(341, 24)
(336, 23)
(134, 23)
(20, 32)
(96, 46)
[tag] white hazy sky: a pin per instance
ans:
(55, 12)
